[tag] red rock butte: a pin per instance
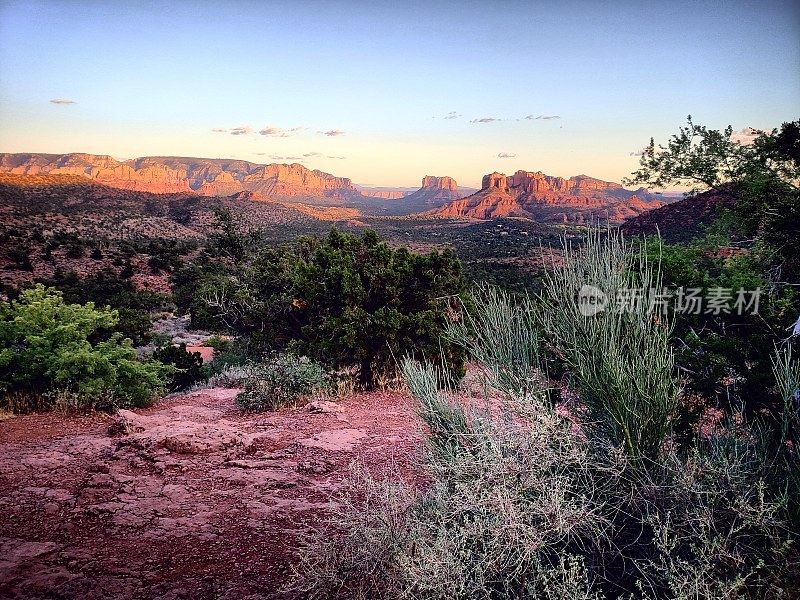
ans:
(535, 195)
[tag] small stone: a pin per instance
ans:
(324, 406)
(126, 423)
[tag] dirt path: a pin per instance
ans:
(196, 501)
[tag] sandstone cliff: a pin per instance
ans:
(547, 198)
(168, 174)
(435, 192)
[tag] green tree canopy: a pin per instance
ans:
(345, 300)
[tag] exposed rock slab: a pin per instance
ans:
(197, 501)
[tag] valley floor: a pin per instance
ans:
(197, 500)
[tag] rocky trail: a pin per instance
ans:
(187, 499)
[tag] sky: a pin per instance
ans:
(387, 92)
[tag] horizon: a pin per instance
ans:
(385, 95)
(355, 183)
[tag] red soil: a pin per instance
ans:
(197, 501)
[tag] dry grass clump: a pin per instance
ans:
(522, 507)
(504, 497)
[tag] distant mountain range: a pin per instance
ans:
(170, 174)
(524, 194)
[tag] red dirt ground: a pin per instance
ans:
(198, 501)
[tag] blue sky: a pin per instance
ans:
(363, 89)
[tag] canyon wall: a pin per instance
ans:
(168, 174)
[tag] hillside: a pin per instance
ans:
(68, 222)
(681, 220)
(555, 199)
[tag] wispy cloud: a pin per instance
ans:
(332, 132)
(542, 117)
(273, 131)
(321, 155)
(506, 155)
(243, 130)
(292, 158)
(219, 130)
(485, 120)
(62, 101)
(452, 115)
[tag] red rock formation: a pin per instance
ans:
(544, 197)
(435, 192)
(440, 183)
(383, 194)
(208, 177)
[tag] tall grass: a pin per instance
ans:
(498, 331)
(786, 370)
(620, 357)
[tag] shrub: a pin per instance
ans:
(233, 375)
(528, 506)
(106, 288)
(282, 381)
(726, 357)
(45, 344)
(188, 366)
